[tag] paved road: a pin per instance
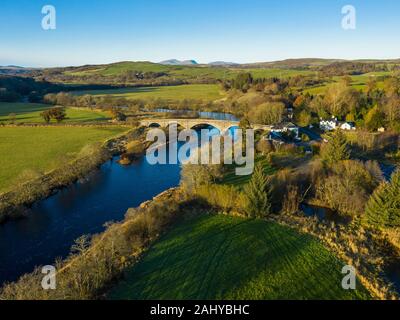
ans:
(311, 133)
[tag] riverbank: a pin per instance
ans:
(13, 203)
(99, 261)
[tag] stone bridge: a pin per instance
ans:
(221, 125)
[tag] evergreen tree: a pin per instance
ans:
(258, 193)
(374, 119)
(336, 149)
(383, 208)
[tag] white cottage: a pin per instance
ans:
(348, 126)
(329, 125)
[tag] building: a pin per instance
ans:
(287, 128)
(329, 125)
(348, 126)
(333, 124)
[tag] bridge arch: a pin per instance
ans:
(154, 125)
(220, 125)
(204, 125)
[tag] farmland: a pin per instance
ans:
(359, 82)
(30, 113)
(42, 149)
(197, 92)
(180, 72)
(221, 257)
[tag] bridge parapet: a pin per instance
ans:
(221, 125)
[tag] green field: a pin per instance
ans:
(181, 72)
(42, 149)
(278, 73)
(209, 92)
(30, 113)
(359, 82)
(231, 178)
(221, 257)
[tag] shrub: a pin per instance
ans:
(347, 186)
(57, 113)
(292, 200)
(265, 146)
(194, 176)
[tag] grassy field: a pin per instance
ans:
(30, 113)
(182, 72)
(278, 73)
(42, 149)
(209, 92)
(221, 257)
(231, 178)
(359, 82)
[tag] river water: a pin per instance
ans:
(202, 114)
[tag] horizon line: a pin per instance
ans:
(198, 63)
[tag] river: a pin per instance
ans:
(52, 225)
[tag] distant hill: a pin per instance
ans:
(312, 63)
(14, 70)
(175, 62)
(294, 63)
(175, 72)
(223, 64)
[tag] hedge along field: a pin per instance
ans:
(223, 257)
(209, 92)
(30, 113)
(41, 149)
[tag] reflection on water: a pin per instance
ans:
(387, 170)
(393, 273)
(323, 214)
(202, 114)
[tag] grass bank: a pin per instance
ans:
(222, 257)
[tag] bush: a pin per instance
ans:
(292, 200)
(347, 186)
(265, 146)
(195, 176)
(57, 113)
(224, 197)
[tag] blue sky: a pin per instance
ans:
(103, 31)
